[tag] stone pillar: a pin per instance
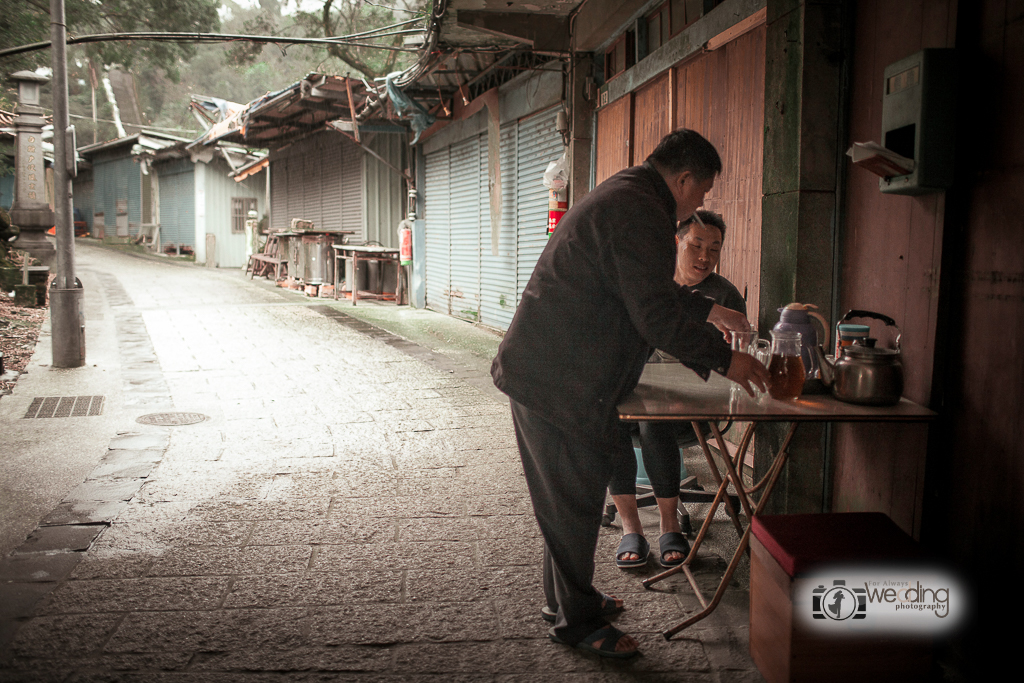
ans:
(31, 212)
(581, 125)
(803, 118)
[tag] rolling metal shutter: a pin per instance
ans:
(438, 234)
(177, 206)
(330, 185)
(538, 145)
(498, 272)
(293, 183)
(352, 190)
(465, 200)
(312, 179)
(279, 194)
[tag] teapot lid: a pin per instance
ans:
(799, 307)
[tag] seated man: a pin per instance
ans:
(698, 253)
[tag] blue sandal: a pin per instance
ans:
(632, 543)
(611, 637)
(608, 608)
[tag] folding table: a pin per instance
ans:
(364, 253)
(672, 392)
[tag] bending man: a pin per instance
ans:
(602, 294)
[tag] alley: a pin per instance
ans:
(350, 507)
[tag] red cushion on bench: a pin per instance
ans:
(798, 542)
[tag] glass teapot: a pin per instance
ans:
(786, 368)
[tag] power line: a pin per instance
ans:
(184, 37)
(137, 125)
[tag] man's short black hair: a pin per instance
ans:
(687, 150)
(711, 218)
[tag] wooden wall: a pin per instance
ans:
(613, 136)
(719, 94)
(891, 260)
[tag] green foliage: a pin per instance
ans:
(345, 17)
(23, 22)
(166, 74)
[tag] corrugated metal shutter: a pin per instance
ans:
(498, 273)
(177, 206)
(311, 188)
(279, 194)
(330, 170)
(438, 234)
(464, 288)
(82, 199)
(385, 189)
(538, 145)
(352, 190)
(292, 182)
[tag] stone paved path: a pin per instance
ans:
(353, 509)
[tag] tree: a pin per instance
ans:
(345, 17)
(28, 21)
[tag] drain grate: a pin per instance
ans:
(171, 419)
(65, 406)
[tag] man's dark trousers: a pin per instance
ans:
(567, 477)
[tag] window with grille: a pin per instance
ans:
(240, 208)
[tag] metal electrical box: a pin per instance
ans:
(918, 120)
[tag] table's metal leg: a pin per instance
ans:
(732, 470)
(355, 277)
(733, 513)
(776, 469)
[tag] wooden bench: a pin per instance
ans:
(260, 264)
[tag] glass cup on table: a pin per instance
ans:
(744, 342)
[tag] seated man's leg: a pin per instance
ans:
(567, 479)
(659, 447)
(623, 490)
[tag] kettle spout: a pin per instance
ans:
(827, 369)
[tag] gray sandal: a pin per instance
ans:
(632, 543)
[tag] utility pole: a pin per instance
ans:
(67, 318)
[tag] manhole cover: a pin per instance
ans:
(171, 419)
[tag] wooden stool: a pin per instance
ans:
(783, 547)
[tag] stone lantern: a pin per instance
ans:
(31, 212)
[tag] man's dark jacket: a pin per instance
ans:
(601, 296)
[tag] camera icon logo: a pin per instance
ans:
(839, 603)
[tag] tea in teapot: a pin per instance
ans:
(786, 367)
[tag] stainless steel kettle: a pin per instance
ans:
(862, 374)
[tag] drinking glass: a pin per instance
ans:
(742, 341)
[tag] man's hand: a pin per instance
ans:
(727, 320)
(746, 370)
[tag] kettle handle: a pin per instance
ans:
(824, 327)
(857, 313)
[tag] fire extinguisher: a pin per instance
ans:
(558, 204)
(405, 242)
